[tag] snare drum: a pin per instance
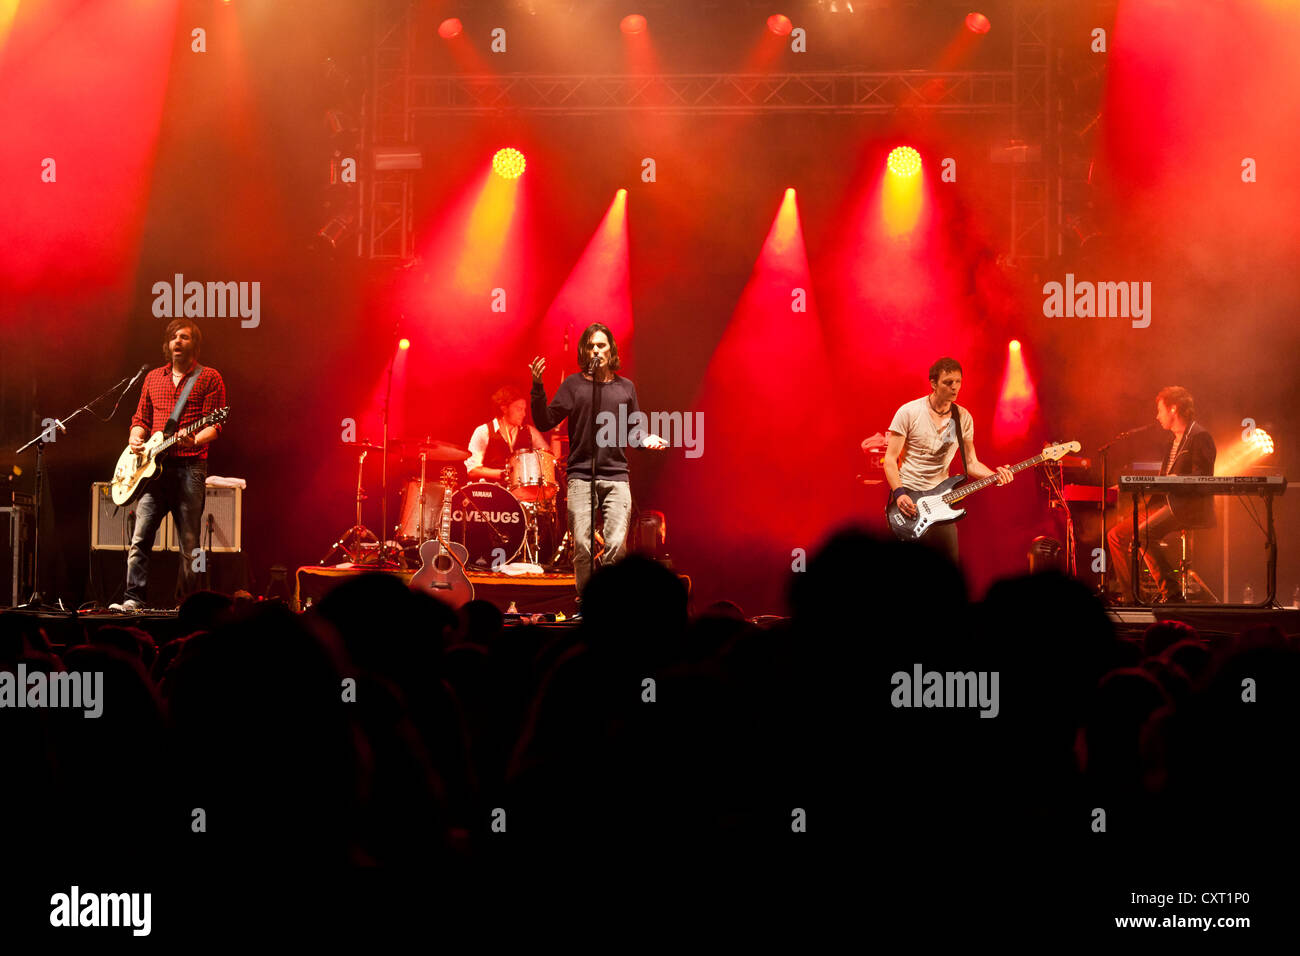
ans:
(530, 475)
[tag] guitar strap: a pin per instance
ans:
(961, 445)
(181, 399)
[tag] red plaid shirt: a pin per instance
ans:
(158, 398)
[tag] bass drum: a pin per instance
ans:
(489, 522)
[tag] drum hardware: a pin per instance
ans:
(536, 512)
(563, 556)
(351, 542)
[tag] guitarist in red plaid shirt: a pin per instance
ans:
(181, 483)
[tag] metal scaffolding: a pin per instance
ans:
(397, 98)
(1035, 189)
(386, 216)
(712, 93)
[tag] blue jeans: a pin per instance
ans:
(181, 488)
(614, 502)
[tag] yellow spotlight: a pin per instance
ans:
(1261, 442)
(508, 163)
(904, 161)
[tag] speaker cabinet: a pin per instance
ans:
(223, 511)
(111, 526)
(17, 536)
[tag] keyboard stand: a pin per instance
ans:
(1270, 545)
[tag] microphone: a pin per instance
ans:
(1134, 431)
(143, 369)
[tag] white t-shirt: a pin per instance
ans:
(478, 442)
(927, 451)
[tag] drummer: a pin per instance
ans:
(492, 444)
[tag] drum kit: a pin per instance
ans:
(498, 524)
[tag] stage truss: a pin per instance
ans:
(397, 97)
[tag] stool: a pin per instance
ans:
(1186, 573)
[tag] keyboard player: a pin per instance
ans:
(1191, 451)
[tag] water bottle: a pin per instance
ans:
(1295, 598)
(1249, 596)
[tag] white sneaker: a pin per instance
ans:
(130, 604)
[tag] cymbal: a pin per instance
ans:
(394, 445)
(436, 450)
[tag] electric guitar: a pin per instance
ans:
(442, 561)
(935, 506)
(134, 469)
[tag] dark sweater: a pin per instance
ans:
(573, 401)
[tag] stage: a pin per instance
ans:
(548, 600)
(524, 593)
(1212, 622)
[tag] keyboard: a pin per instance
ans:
(1205, 484)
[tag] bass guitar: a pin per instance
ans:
(135, 468)
(935, 505)
(442, 561)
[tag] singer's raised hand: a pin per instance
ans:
(538, 366)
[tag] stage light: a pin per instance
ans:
(1261, 442)
(335, 232)
(1015, 345)
(977, 23)
(632, 23)
(779, 24)
(449, 28)
(397, 157)
(404, 344)
(904, 161)
(508, 163)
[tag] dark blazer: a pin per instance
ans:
(1196, 457)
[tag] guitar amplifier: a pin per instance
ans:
(111, 526)
(17, 533)
(224, 508)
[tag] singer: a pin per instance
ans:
(1191, 451)
(181, 483)
(590, 465)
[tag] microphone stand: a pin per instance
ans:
(1105, 490)
(37, 600)
(382, 556)
(595, 458)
